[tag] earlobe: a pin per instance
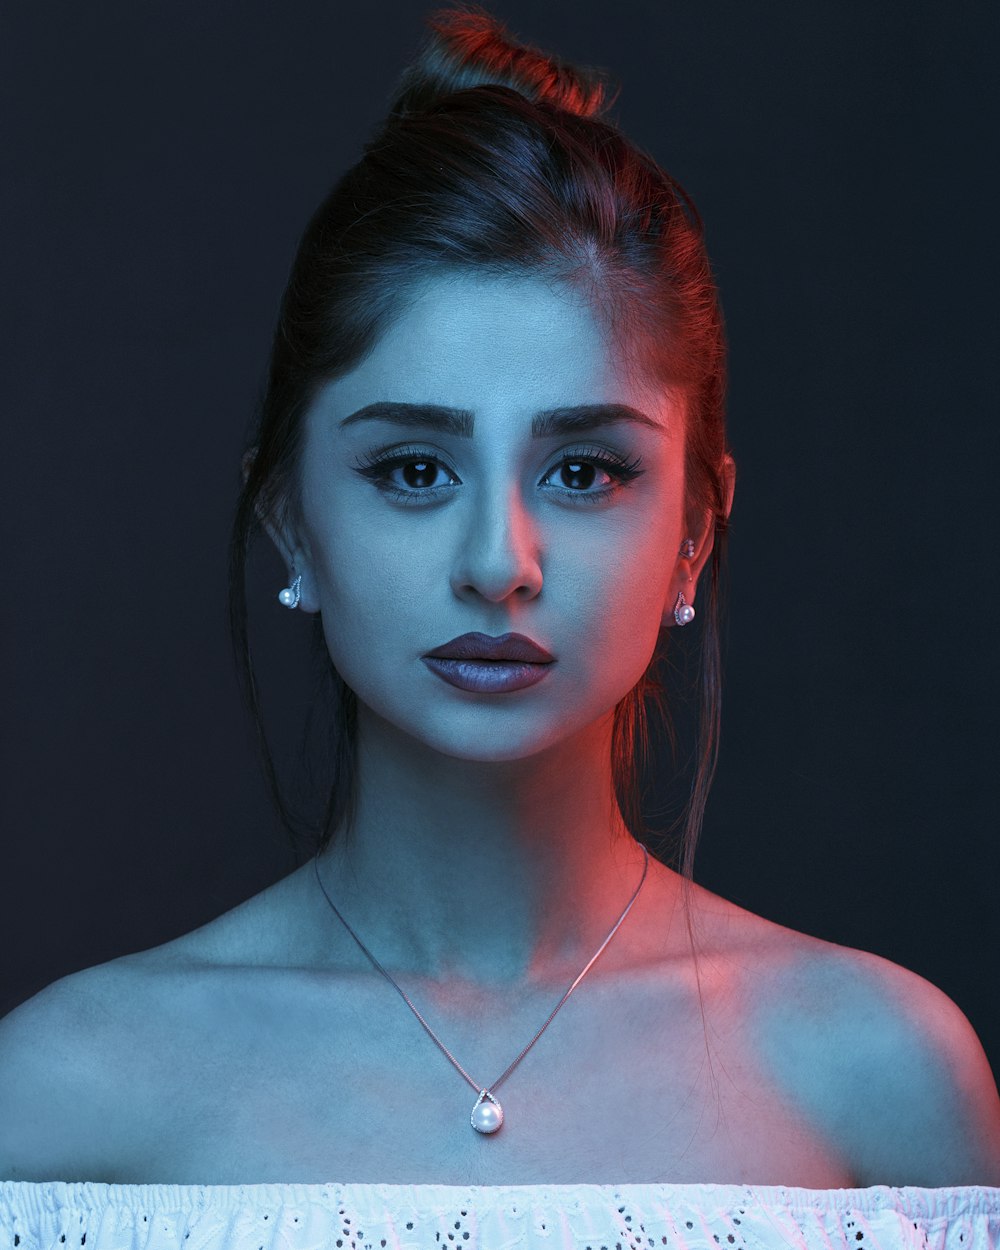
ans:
(297, 593)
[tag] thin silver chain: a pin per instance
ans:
(430, 1032)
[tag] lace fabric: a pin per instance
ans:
(273, 1216)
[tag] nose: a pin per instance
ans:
(498, 549)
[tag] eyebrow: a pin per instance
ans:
(461, 422)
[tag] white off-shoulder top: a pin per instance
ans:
(275, 1216)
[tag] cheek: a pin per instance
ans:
(614, 596)
(372, 584)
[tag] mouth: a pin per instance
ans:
(481, 676)
(509, 649)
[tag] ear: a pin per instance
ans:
(291, 547)
(701, 531)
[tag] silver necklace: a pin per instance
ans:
(487, 1114)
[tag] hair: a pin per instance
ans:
(496, 158)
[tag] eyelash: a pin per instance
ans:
(377, 467)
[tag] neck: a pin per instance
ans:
(490, 872)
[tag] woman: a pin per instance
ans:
(492, 456)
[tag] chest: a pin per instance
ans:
(285, 1077)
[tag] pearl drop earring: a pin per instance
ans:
(683, 611)
(291, 595)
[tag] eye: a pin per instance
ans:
(580, 471)
(421, 476)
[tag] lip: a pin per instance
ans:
(476, 646)
(487, 676)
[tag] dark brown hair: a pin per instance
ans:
(495, 158)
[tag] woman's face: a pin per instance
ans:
(413, 534)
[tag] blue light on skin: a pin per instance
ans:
(458, 789)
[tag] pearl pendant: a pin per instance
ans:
(290, 596)
(486, 1116)
(683, 611)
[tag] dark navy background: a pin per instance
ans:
(164, 161)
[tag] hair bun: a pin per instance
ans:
(468, 47)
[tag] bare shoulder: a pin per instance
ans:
(66, 1052)
(879, 1056)
(55, 1086)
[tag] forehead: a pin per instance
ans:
(507, 344)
